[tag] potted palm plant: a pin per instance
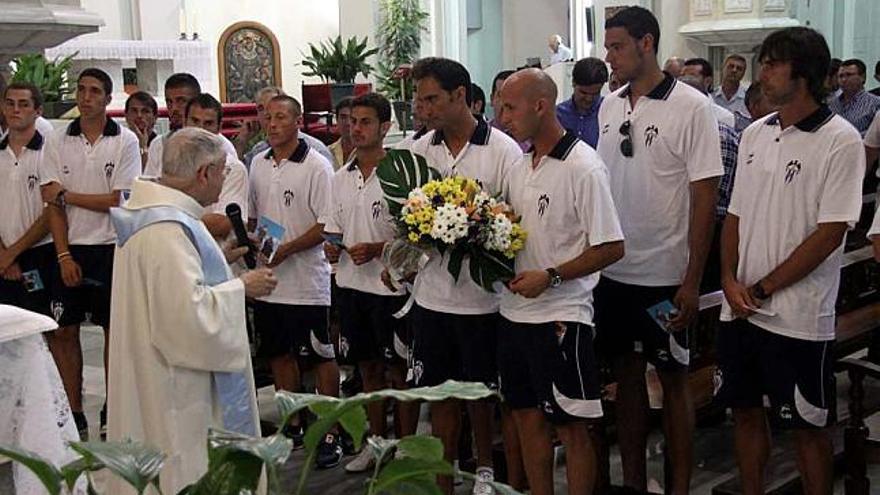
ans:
(399, 37)
(338, 63)
(51, 79)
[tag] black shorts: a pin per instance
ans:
(33, 292)
(796, 375)
(550, 366)
(452, 347)
(624, 325)
(70, 305)
(370, 332)
(288, 328)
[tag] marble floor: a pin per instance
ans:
(714, 460)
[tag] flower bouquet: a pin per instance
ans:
(451, 214)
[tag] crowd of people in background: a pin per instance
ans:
(657, 188)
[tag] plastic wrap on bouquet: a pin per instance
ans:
(402, 258)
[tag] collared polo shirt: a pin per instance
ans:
(110, 164)
(859, 111)
(566, 208)
(263, 146)
(157, 147)
(788, 181)
(295, 193)
(488, 158)
(736, 105)
(359, 212)
(675, 143)
(584, 124)
(20, 189)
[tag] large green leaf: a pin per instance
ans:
(74, 469)
(136, 463)
(421, 447)
(456, 258)
(400, 172)
(488, 267)
(44, 470)
(405, 474)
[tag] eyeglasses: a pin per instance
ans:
(626, 146)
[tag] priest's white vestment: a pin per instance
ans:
(172, 332)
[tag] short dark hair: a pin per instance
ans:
(343, 103)
(477, 94)
(705, 66)
(753, 93)
(450, 74)
(501, 76)
(207, 102)
(377, 102)
(589, 71)
(293, 102)
(101, 76)
(638, 22)
(834, 66)
(858, 63)
(183, 80)
(735, 56)
(144, 98)
(807, 52)
(36, 96)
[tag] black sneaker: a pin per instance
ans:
(294, 433)
(329, 452)
(82, 425)
(347, 443)
(103, 417)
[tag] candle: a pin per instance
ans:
(182, 20)
(195, 21)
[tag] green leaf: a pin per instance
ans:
(488, 267)
(232, 472)
(409, 470)
(74, 469)
(354, 421)
(456, 258)
(421, 447)
(415, 486)
(400, 172)
(381, 447)
(136, 463)
(44, 470)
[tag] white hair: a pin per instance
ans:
(273, 90)
(188, 149)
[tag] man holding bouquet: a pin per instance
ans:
(546, 359)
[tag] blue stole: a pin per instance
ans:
(233, 389)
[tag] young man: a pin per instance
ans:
(659, 140)
(801, 168)
(371, 336)
(141, 112)
(854, 103)
(730, 94)
(580, 113)
(546, 359)
(87, 167)
(343, 147)
(27, 259)
(454, 322)
(290, 185)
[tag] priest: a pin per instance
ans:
(180, 363)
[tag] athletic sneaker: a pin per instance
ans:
(481, 485)
(294, 433)
(82, 425)
(363, 462)
(329, 452)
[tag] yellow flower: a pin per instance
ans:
(410, 219)
(413, 237)
(425, 228)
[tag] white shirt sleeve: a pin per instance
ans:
(595, 206)
(50, 166)
(332, 216)
(129, 166)
(512, 157)
(320, 196)
(252, 197)
(872, 137)
(840, 199)
(703, 149)
(154, 158)
(235, 189)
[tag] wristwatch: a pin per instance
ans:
(555, 277)
(758, 291)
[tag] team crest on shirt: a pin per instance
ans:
(108, 169)
(377, 209)
(792, 169)
(651, 132)
(32, 182)
(288, 198)
(543, 203)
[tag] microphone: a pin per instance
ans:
(233, 212)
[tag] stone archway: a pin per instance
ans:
(249, 59)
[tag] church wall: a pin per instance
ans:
(527, 24)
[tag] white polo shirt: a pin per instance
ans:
(566, 207)
(20, 189)
(488, 157)
(157, 146)
(872, 135)
(295, 193)
(234, 190)
(787, 183)
(675, 142)
(359, 212)
(111, 164)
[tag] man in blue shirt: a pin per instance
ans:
(854, 103)
(580, 114)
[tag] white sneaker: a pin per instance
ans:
(362, 462)
(481, 485)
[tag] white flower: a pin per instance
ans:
(499, 232)
(450, 223)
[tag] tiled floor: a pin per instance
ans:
(714, 460)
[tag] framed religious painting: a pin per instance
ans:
(249, 60)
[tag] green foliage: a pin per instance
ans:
(49, 77)
(44, 470)
(335, 61)
(400, 172)
(136, 463)
(399, 38)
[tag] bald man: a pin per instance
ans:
(674, 66)
(546, 362)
